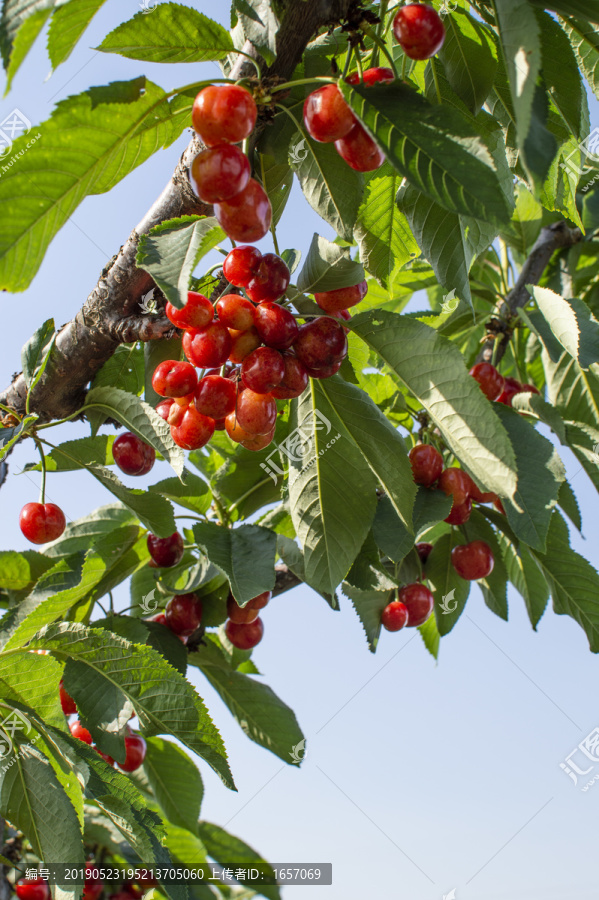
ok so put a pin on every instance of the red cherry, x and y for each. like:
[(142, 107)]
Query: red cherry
[(342, 298), (135, 753), (270, 279), (236, 312), (481, 496), (166, 552), (219, 173), (473, 561), (247, 216), (66, 701), (242, 343), (326, 114), (240, 264), (359, 150), (207, 347), (32, 889), (491, 381), (248, 613), (79, 732), (224, 113), (164, 407), (345, 315), (295, 379), (215, 396), (530, 389), (262, 370), (239, 434), (197, 312), (394, 616), (256, 413), (419, 602), (184, 613), (377, 75), (172, 378), (258, 441), (107, 759), (427, 464), (132, 455), (41, 522), (244, 637), (93, 887), (424, 551), (179, 408), (324, 371), (457, 483), (511, 387), (194, 430), (460, 513), (320, 343), (159, 617), (276, 326), (419, 31)]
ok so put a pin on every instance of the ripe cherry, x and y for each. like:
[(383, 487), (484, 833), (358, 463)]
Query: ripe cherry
[(240, 435), (79, 732), (172, 378), (262, 370), (242, 343), (377, 75), (197, 312), (164, 407), (66, 701), (473, 561), (419, 602), (184, 613), (256, 413), (179, 408), (240, 264), (394, 616), (236, 312), (491, 381), (135, 753), (165, 552), (224, 114), (424, 551), (42, 522), (295, 379), (194, 431), (132, 455), (276, 326), (107, 759), (457, 483), (460, 513), (258, 441), (320, 343), (427, 464), (326, 114), (32, 889), (419, 30), (93, 887), (342, 298), (324, 371), (481, 496), (270, 279), (244, 637), (359, 150), (219, 173), (511, 387), (215, 396), (207, 347), (247, 216), (160, 618), (248, 613)]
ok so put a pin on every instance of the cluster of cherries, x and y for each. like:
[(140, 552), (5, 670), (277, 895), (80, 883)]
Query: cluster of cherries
[(251, 355), (328, 118), (135, 745), (38, 889), (497, 387)]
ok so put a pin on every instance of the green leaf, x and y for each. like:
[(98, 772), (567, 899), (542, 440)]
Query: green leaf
[(588, 9), (540, 474), (332, 494), (572, 323), (190, 491), (261, 715), (469, 57), (277, 181), (224, 847), (20, 570), (370, 588), (534, 403), (450, 591), (28, 679), (430, 636), (433, 370), (390, 533), (569, 504), (561, 74), (384, 238), (527, 578), (125, 368), (293, 558), (10, 436), (21, 23), (67, 27), (81, 534), (431, 506), (175, 781), (519, 34), (140, 418), (494, 586), (246, 555), (332, 188), (328, 267), (437, 148), (574, 393), (172, 250), (114, 129), (584, 38), (175, 34), (103, 671), (260, 26), (35, 353), (86, 451)]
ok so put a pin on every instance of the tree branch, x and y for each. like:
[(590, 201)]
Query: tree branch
[(555, 237), (111, 313)]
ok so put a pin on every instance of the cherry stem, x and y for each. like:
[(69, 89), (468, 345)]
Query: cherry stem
[(251, 59), (348, 58), (374, 59), (11, 412), (38, 444), (359, 65), (379, 42), (291, 84)]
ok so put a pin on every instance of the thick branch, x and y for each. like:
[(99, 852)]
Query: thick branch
[(552, 238), (111, 314), (285, 580)]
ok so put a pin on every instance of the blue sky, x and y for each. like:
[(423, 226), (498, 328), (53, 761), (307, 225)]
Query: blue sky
[(420, 777)]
